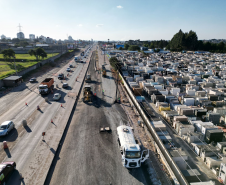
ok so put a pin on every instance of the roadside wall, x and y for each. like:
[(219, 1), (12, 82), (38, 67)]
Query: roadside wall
[(179, 176)]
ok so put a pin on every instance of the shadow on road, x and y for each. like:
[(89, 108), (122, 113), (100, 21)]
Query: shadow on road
[(27, 128), (15, 179), (12, 136), (8, 153)]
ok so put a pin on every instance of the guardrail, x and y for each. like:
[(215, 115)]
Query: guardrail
[(179, 176)]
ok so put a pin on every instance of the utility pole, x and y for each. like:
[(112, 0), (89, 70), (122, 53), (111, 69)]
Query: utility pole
[(116, 99), (104, 54), (15, 66)]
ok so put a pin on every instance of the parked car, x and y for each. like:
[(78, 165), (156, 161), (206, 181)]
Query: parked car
[(71, 66), (6, 127), (65, 85), (68, 69), (33, 80), (6, 168), (61, 76), (56, 96)]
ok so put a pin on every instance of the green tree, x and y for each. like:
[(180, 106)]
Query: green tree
[(15, 40), (114, 62), (221, 46), (191, 41), (134, 48), (23, 43), (38, 52), (32, 52), (8, 54), (126, 46), (177, 43), (152, 46)]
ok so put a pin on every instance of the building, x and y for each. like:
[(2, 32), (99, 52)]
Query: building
[(70, 38), (20, 35), (32, 37), (49, 40), (222, 173), (12, 81), (119, 46), (3, 37)]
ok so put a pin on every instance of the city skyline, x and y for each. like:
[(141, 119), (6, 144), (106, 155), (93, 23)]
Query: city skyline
[(118, 20)]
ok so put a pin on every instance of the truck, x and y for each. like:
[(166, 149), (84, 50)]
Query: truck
[(131, 152), (77, 58), (46, 86)]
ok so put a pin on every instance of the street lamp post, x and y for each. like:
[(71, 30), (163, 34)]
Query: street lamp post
[(15, 65)]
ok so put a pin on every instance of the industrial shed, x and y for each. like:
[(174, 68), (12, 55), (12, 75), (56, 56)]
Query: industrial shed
[(12, 81)]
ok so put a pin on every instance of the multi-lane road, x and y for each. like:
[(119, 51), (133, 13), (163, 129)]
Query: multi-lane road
[(87, 156), (32, 154), (73, 151)]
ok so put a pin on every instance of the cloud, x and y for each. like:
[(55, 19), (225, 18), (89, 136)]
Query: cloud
[(57, 25), (99, 25), (119, 7), (80, 25)]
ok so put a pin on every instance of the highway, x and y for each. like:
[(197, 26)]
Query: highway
[(87, 156), (31, 152)]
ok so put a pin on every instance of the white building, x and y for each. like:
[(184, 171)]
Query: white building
[(20, 35), (3, 37), (222, 173), (31, 36), (49, 40)]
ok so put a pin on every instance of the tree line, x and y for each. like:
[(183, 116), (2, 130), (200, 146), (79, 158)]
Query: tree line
[(38, 53), (189, 41)]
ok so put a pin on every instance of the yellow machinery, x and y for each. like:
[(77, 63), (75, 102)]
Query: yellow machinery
[(104, 72), (87, 93)]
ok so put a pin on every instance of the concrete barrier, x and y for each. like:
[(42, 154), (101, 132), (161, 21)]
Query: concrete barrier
[(180, 177)]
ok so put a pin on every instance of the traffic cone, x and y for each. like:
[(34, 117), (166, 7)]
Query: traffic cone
[(51, 120)]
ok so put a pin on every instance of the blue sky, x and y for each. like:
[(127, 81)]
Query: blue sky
[(114, 20)]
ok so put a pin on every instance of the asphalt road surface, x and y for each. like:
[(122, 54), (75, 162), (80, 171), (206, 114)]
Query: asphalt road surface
[(87, 156), (24, 141)]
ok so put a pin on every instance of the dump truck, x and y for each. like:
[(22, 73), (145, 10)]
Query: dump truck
[(103, 71), (46, 86), (87, 93), (88, 78)]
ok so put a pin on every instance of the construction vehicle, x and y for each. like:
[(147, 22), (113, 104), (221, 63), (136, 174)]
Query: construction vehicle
[(46, 86), (132, 154), (103, 71), (88, 78), (87, 93)]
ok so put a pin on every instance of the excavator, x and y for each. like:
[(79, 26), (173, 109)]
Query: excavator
[(87, 93)]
